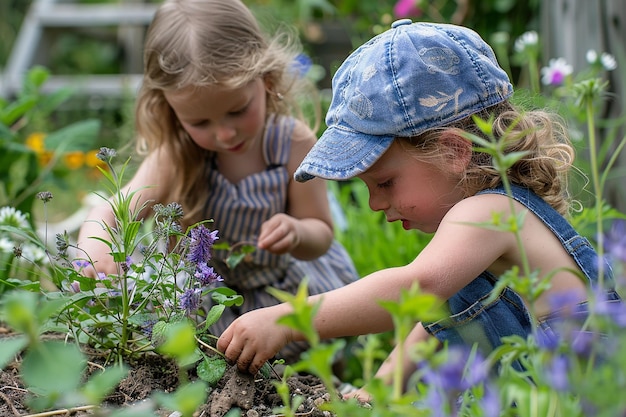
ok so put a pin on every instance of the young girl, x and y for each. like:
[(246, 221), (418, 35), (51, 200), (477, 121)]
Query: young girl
[(402, 104), (214, 120)]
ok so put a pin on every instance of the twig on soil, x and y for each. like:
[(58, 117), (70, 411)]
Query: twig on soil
[(95, 365), (211, 348), (10, 404), (66, 411)]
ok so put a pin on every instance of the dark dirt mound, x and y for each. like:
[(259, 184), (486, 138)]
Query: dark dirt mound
[(153, 373)]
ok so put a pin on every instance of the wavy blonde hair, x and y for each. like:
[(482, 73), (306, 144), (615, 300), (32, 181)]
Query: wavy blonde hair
[(204, 43), (542, 135)]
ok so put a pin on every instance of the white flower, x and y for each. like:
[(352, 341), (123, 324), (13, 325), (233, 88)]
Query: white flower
[(608, 61), (527, 39), (556, 72), (592, 56), (34, 254), (9, 216), (6, 245)]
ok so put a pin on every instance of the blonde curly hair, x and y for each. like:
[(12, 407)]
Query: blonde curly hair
[(205, 43), (549, 154)]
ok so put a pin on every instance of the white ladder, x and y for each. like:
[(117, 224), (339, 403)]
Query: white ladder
[(130, 16)]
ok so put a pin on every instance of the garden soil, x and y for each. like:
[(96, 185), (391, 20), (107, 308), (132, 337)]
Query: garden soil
[(153, 373)]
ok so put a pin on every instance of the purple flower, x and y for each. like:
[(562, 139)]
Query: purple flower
[(302, 64), (615, 241), (190, 300), (206, 275), (490, 403), (556, 71), (75, 286), (556, 374), (202, 240), (81, 263), (613, 309), (547, 340), (460, 372), (583, 342), (406, 8)]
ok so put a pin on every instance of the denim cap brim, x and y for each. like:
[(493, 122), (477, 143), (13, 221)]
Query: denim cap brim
[(401, 83)]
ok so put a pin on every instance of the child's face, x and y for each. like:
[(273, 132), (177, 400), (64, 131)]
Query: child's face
[(414, 192), (219, 119)]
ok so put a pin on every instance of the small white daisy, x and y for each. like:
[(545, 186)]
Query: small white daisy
[(527, 39), (608, 61), (9, 216)]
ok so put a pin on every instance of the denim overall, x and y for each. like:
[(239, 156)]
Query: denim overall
[(474, 321)]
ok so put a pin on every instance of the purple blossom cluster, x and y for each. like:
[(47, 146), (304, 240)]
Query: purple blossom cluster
[(463, 370), (201, 241), (200, 244), (615, 241)]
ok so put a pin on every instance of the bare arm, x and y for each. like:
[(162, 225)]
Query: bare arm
[(454, 257), (305, 230)]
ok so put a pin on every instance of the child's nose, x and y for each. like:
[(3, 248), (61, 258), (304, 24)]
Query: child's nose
[(224, 133), (377, 203)]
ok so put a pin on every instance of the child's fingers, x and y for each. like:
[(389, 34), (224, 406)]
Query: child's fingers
[(234, 349)]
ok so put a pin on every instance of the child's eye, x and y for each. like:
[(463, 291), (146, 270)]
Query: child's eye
[(201, 123), (239, 112), (385, 184)]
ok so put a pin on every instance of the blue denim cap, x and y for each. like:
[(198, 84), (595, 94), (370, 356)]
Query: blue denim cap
[(411, 78)]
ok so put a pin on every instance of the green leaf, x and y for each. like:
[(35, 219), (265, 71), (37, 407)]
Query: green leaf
[(233, 260), (214, 314), (20, 312), (11, 346), (17, 109), (212, 369), (36, 77), (180, 342), (226, 296), (186, 399), (158, 333), (53, 368), (79, 136), (50, 307)]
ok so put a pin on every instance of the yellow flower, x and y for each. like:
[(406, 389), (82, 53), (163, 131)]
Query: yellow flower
[(91, 160), (45, 157), (74, 160), (35, 141)]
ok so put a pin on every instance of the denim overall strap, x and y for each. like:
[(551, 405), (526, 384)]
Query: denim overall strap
[(477, 317), (577, 246)]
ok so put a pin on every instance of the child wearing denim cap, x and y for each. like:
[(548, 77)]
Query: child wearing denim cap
[(222, 134), (402, 105)]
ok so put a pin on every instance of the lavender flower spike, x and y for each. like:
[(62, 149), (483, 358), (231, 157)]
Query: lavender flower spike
[(202, 241)]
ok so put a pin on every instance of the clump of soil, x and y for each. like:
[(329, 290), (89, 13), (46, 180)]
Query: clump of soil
[(150, 373)]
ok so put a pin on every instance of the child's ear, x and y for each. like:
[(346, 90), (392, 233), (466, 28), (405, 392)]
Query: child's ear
[(457, 148)]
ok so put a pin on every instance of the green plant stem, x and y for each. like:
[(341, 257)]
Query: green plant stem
[(125, 315), (533, 75), (209, 347), (398, 373), (593, 160)]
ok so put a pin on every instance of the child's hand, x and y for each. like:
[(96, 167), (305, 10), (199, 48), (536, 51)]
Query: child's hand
[(279, 234), (360, 394), (254, 337)]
